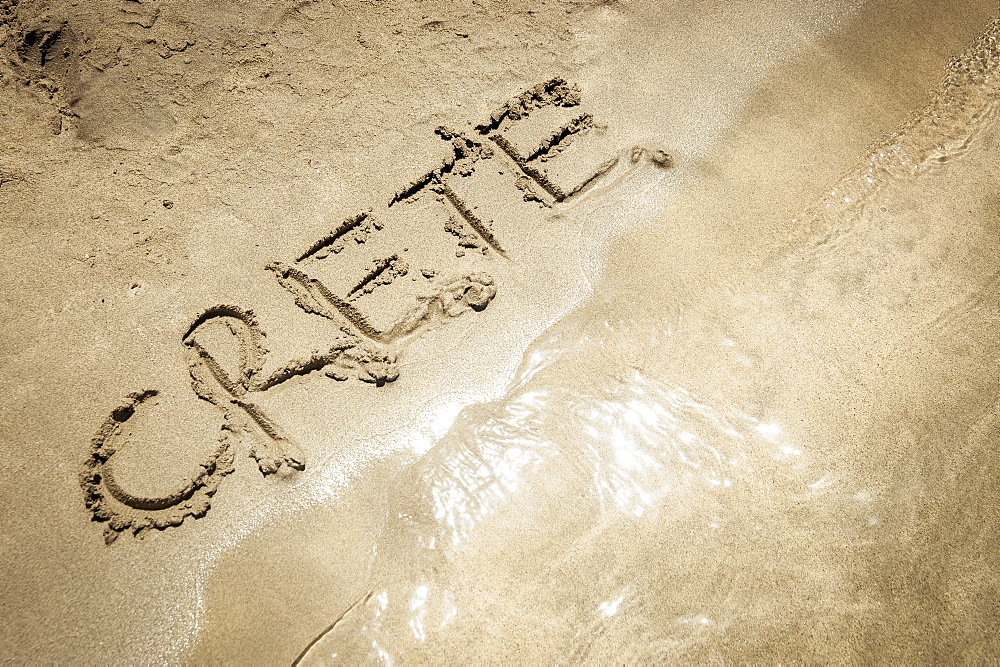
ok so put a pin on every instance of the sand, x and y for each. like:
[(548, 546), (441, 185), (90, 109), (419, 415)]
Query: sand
[(432, 332)]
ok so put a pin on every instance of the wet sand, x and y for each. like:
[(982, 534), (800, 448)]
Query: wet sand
[(755, 431)]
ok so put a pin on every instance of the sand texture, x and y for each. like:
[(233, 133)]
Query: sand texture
[(564, 331)]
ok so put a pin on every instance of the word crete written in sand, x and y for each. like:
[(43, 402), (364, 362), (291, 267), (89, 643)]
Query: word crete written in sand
[(376, 313)]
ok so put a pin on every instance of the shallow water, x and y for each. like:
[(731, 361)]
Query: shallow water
[(783, 449)]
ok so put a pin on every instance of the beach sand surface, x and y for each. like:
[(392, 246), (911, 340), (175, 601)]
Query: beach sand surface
[(558, 331)]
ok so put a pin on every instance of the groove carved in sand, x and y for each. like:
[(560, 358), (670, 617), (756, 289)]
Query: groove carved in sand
[(556, 92), (362, 350), (449, 299), (109, 501), (473, 291)]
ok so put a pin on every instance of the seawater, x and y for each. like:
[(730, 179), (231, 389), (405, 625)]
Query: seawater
[(785, 454)]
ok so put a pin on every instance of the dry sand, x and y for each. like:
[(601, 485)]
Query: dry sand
[(274, 276)]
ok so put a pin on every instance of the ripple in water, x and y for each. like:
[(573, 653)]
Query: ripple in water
[(798, 464)]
